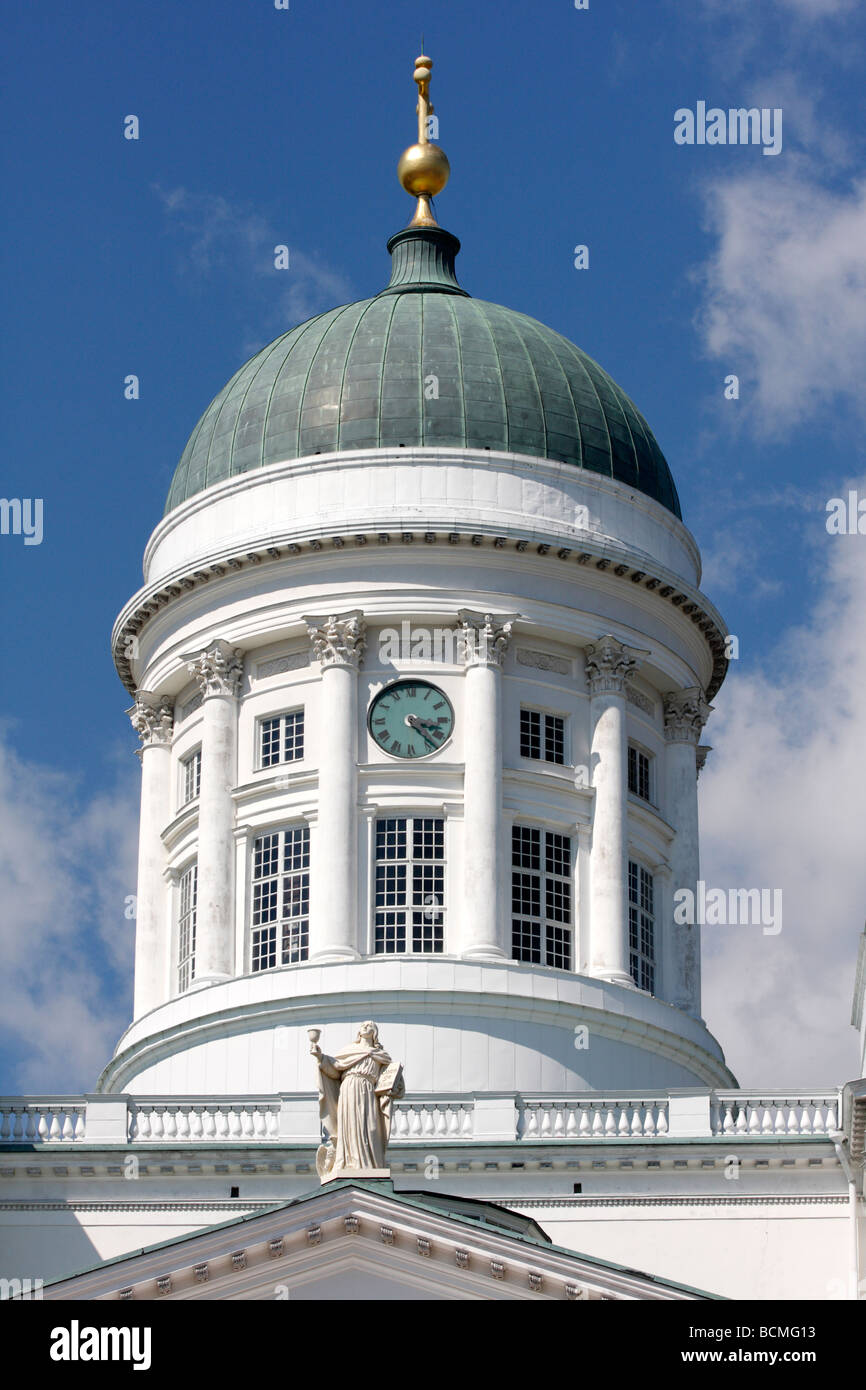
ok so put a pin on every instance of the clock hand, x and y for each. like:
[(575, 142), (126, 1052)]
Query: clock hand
[(418, 722), (415, 723)]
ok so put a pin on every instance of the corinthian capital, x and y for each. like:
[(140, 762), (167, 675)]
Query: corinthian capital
[(152, 718), (339, 640), (483, 638), (608, 664), (218, 669), (686, 713)]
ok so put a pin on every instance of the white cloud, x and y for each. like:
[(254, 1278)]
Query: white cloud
[(785, 295), (66, 864), (783, 805), (817, 9), (229, 237)]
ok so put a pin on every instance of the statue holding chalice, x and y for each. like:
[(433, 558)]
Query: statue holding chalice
[(356, 1090)]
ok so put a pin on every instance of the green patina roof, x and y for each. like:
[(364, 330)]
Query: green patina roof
[(354, 378)]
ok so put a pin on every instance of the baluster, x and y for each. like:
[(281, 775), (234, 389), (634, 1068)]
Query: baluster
[(649, 1124), (414, 1121), (157, 1124), (622, 1127), (42, 1128), (182, 1121), (571, 1127), (545, 1121), (637, 1119), (66, 1131), (779, 1125), (195, 1125), (558, 1122), (454, 1119), (468, 1122), (246, 1119), (531, 1121), (426, 1119), (260, 1121), (169, 1122)]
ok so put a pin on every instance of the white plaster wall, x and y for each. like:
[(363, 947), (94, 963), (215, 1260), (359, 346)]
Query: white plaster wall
[(456, 1027), (742, 1251), (431, 488)]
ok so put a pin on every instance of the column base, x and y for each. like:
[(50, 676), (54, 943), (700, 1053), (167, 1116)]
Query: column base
[(339, 955), (613, 977), (484, 953), (202, 982)]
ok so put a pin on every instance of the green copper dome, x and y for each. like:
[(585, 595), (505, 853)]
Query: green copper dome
[(423, 364)]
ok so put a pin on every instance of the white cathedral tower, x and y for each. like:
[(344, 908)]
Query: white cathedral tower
[(420, 669)]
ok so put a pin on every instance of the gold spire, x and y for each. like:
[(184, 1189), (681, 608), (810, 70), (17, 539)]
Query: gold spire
[(423, 169)]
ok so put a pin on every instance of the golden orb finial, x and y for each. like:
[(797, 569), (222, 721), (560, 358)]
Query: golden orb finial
[(423, 169)]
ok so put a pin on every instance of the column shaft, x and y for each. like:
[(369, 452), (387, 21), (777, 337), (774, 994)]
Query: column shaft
[(339, 646), (218, 670), (685, 714), (152, 720), (484, 909), (214, 952), (483, 643), (609, 858), (608, 662)]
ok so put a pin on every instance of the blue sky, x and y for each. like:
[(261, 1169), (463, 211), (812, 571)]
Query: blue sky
[(155, 257)]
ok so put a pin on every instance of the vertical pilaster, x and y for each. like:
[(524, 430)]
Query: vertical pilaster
[(152, 718), (218, 670), (338, 643), (686, 712), (483, 641), (608, 663)]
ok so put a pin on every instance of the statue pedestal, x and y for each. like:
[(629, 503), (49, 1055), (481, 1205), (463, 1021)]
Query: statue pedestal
[(356, 1173)]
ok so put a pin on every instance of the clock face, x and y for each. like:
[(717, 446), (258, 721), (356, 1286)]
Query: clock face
[(410, 719)]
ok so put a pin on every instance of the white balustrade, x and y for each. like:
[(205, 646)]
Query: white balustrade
[(595, 1118), (431, 1120), (51, 1120), (193, 1121), (751, 1112), (58, 1120)]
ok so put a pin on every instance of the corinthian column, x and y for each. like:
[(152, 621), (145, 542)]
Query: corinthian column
[(338, 644), (483, 641), (153, 719), (686, 712), (608, 663), (218, 670)]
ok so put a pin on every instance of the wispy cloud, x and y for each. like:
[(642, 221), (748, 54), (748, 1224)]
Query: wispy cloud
[(218, 235), (67, 864), (784, 295), (783, 805)]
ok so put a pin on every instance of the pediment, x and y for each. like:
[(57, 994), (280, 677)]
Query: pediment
[(357, 1241)]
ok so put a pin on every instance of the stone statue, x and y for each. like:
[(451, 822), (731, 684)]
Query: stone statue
[(356, 1088)]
